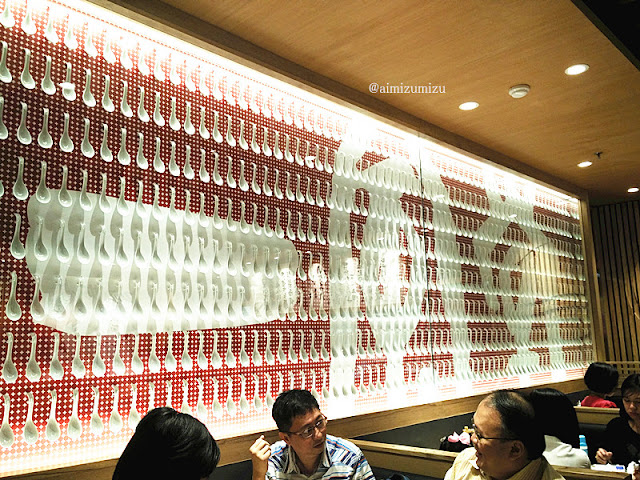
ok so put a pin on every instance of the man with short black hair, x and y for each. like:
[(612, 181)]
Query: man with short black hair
[(508, 443), (305, 450)]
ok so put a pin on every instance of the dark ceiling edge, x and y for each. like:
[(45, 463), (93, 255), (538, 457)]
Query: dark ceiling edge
[(157, 14), (607, 32)]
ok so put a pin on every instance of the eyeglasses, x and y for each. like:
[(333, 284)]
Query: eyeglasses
[(308, 432), (481, 437)]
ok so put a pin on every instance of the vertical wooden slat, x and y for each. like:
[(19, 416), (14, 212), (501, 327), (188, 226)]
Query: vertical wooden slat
[(626, 257), (605, 318), (608, 273), (616, 231), (619, 258), (634, 284), (614, 298), (590, 273)]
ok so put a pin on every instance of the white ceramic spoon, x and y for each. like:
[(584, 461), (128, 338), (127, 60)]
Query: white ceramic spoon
[(33, 372), (216, 361), (293, 356), (268, 399), (118, 365), (313, 353), (134, 416), (154, 361), (230, 358), (74, 429), (9, 371), (52, 432), (6, 432), (170, 363), (152, 396), (268, 355), (257, 358), (244, 404), (244, 357), (257, 402), (96, 426), (5, 74), (77, 367), (314, 392), (323, 351), (203, 361), (115, 420), (17, 248), (231, 406), (12, 309), (282, 358), (185, 408), (136, 363), (97, 367), (56, 371), (66, 143), (186, 360), (30, 432), (304, 357), (24, 136), (216, 406), (201, 410), (87, 97), (325, 385)]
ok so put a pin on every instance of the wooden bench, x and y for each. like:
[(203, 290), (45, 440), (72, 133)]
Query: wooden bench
[(435, 463), (597, 416)]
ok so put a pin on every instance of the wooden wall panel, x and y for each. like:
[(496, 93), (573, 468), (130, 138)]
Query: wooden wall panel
[(616, 231)]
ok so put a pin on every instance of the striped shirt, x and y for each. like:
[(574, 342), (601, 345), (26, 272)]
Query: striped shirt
[(341, 460), (464, 468)]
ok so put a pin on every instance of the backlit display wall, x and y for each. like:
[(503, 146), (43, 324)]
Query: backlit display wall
[(181, 230)]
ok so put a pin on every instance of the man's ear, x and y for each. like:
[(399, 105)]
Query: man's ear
[(285, 437), (518, 450)]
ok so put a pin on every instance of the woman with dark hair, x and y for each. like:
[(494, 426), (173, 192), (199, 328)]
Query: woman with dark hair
[(559, 423), (601, 379), (168, 445), (622, 437)]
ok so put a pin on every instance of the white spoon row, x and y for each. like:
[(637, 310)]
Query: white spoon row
[(307, 350), (269, 103)]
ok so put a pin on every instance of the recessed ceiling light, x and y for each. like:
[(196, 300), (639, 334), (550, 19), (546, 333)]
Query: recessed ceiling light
[(577, 69), (468, 105), (633, 190), (585, 164), (519, 91)]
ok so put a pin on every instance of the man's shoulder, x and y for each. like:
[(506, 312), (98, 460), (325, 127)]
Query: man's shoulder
[(337, 443), (279, 453), (550, 473), (465, 456), (344, 452)]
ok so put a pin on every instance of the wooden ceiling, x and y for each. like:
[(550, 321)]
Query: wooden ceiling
[(475, 49)]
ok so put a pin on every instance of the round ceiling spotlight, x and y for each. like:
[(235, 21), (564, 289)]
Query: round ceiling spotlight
[(577, 69), (468, 105), (633, 190), (585, 164), (519, 91)]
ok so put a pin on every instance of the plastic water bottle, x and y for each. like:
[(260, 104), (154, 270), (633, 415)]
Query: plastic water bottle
[(583, 444)]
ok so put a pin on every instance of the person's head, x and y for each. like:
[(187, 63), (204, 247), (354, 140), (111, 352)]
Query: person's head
[(555, 415), (506, 436), (300, 422), (601, 378), (630, 390), (168, 445)]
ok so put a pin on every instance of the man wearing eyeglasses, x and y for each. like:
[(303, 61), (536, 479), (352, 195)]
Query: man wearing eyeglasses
[(305, 450), (507, 443)]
